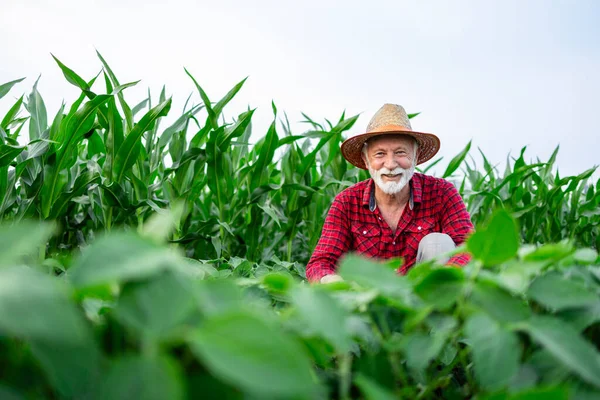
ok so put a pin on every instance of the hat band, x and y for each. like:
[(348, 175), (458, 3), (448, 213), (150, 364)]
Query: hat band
[(391, 128)]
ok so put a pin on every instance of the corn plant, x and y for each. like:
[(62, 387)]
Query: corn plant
[(168, 262), (103, 163)]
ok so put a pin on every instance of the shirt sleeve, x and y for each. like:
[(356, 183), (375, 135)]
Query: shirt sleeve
[(334, 241), (456, 223)]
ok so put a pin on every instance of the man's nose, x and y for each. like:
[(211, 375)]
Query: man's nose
[(390, 163)]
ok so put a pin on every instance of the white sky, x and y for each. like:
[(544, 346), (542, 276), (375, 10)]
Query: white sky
[(506, 73)]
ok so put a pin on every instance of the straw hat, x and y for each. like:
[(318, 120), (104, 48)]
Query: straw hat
[(390, 119)]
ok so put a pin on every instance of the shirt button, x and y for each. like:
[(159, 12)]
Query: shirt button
[(419, 228), (394, 243), (364, 232)]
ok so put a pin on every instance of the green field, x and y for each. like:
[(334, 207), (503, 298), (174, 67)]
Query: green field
[(165, 262)]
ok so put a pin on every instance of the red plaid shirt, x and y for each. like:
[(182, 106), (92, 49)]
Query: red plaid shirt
[(354, 223)]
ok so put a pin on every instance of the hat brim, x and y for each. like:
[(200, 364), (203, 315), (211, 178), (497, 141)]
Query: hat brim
[(429, 145)]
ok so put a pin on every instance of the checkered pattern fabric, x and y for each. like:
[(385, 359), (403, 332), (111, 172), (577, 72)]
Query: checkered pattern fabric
[(352, 226)]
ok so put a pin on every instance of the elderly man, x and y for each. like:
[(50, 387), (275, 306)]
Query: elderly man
[(396, 213)]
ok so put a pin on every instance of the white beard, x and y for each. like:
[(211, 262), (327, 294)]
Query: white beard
[(391, 187)]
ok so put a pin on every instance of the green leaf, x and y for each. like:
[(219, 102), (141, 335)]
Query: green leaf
[(275, 282), (77, 125), (420, 348), (6, 393), (7, 198), (547, 368), (216, 297), (118, 258), (566, 345), (376, 275), (212, 116), (431, 165), (37, 148), (371, 390), (217, 244), (5, 87), (242, 349), (156, 307), (161, 224), (323, 315), (73, 369), (122, 87), (448, 354), (270, 211), (197, 270), (456, 161), (129, 151), (586, 256), (115, 196), (138, 107), (581, 318), (548, 393), (38, 121), (235, 130), (441, 287), (584, 392), (554, 291), (145, 378), (37, 307), (201, 385), (113, 137), (550, 252), (177, 126), (266, 151), (54, 132), (345, 124), (496, 351), (124, 105), (218, 108), (496, 243), (526, 378), (71, 76), (517, 274), (81, 185), (22, 239), (8, 153), (11, 114), (499, 304)]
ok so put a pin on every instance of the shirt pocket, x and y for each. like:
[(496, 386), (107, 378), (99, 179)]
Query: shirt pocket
[(417, 229), (366, 239)]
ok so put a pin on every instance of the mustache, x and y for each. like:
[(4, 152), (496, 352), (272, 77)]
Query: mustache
[(394, 171)]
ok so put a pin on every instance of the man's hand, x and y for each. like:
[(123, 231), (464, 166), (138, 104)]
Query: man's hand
[(331, 278)]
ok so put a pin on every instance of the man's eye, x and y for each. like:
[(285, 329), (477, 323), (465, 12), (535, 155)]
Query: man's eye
[(400, 152)]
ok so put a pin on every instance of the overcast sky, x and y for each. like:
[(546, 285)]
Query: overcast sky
[(505, 74)]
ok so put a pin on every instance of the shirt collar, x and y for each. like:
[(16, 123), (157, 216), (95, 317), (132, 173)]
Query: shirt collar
[(369, 194), (415, 193), (416, 185)]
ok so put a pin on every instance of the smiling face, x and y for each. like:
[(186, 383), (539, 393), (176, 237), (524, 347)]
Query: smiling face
[(391, 161)]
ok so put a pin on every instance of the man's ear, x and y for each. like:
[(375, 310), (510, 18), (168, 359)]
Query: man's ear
[(417, 150), (364, 158)]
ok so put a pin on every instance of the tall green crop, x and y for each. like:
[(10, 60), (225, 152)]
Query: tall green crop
[(102, 163), (168, 261)]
